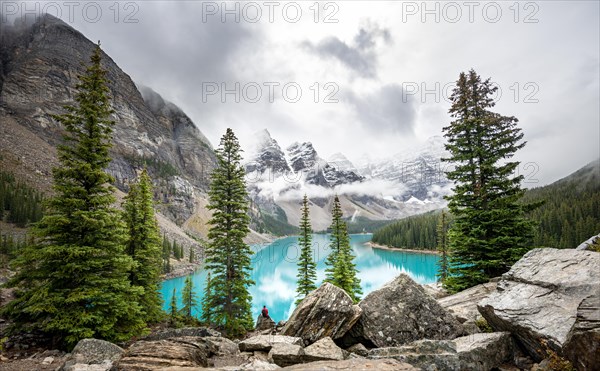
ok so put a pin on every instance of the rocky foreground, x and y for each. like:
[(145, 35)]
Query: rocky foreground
[(539, 315)]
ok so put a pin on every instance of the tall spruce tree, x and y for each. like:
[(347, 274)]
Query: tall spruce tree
[(227, 256), (307, 268), (189, 299), (173, 311), (490, 231), (341, 270), (74, 282), (207, 311), (442, 246), (143, 245)]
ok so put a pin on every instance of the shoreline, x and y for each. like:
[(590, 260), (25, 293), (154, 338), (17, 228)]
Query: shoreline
[(384, 247)]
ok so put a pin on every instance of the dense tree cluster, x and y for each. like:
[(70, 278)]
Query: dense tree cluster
[(19, 203), (84, 275), (415, 232)]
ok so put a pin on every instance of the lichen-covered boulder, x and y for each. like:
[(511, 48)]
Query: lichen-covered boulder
[(326, 312), (398, 313)]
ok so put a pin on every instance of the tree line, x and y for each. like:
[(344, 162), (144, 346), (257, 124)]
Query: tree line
[(19, 203)]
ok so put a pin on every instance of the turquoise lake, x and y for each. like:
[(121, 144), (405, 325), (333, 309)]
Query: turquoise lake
[(274, 271)]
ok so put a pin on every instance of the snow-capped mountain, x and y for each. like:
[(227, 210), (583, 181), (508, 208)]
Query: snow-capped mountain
[(301, 162), (419, 168), (278, 179), (266, 155)]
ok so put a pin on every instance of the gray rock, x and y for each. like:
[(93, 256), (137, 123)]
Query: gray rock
[(359, 349), (326, 312), (550, 295), (180, 332), (220, 346), (586, 244), (48, 360), (398, 313), (484, 351), (323, 350), (92, 352), (436, 290), (286, 354), (474, 352), (355, 364), (258, 365), (161, 354), (463, 305), (470, 327), (263, 323), (265, 342)]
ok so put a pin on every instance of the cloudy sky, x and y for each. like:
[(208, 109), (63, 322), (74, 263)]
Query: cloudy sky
[(361, 76)]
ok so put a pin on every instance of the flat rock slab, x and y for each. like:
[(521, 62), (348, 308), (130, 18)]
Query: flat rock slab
[(161, 354), (479, 352), (266, 342), (326, 312), (356, 364), (549, 296)]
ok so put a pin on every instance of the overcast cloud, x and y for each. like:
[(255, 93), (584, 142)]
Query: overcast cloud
[(371, 74)]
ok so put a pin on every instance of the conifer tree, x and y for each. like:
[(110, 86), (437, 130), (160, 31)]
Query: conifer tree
[(207, 310), (490, 232), (143, 245), (166, 249), (227, 256), (341, 270), (189, 299), (307, 268), (192, 257), (442, 246), (74, 282), (173, 311)]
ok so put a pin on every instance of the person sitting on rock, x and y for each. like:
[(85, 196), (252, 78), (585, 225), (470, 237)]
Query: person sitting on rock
[(265, 312)]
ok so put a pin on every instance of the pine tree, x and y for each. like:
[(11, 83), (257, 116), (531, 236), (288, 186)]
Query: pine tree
[(173, 311), (490, 231), (307, 268), (341, 270), (227, 256), (192, 257), (143, 245), (74, 282), (166, 254), (207, 309), (189, 299), (442, 246)]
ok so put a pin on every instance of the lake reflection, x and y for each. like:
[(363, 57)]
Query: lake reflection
[(275, 269)]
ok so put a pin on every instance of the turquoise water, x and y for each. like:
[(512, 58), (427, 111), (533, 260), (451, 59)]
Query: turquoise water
[(274, 271)]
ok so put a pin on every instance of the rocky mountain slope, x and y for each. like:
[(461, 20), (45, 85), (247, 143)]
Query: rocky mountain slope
[(39, 65)]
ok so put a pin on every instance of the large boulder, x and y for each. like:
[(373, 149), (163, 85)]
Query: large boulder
[(264, 343), (551, 296), (162, 354), (398, 313), (463, 305), (326, 312), (99, 354), (323, 350), (479, 352), (264, 323), (355, 364), (286, 354)]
